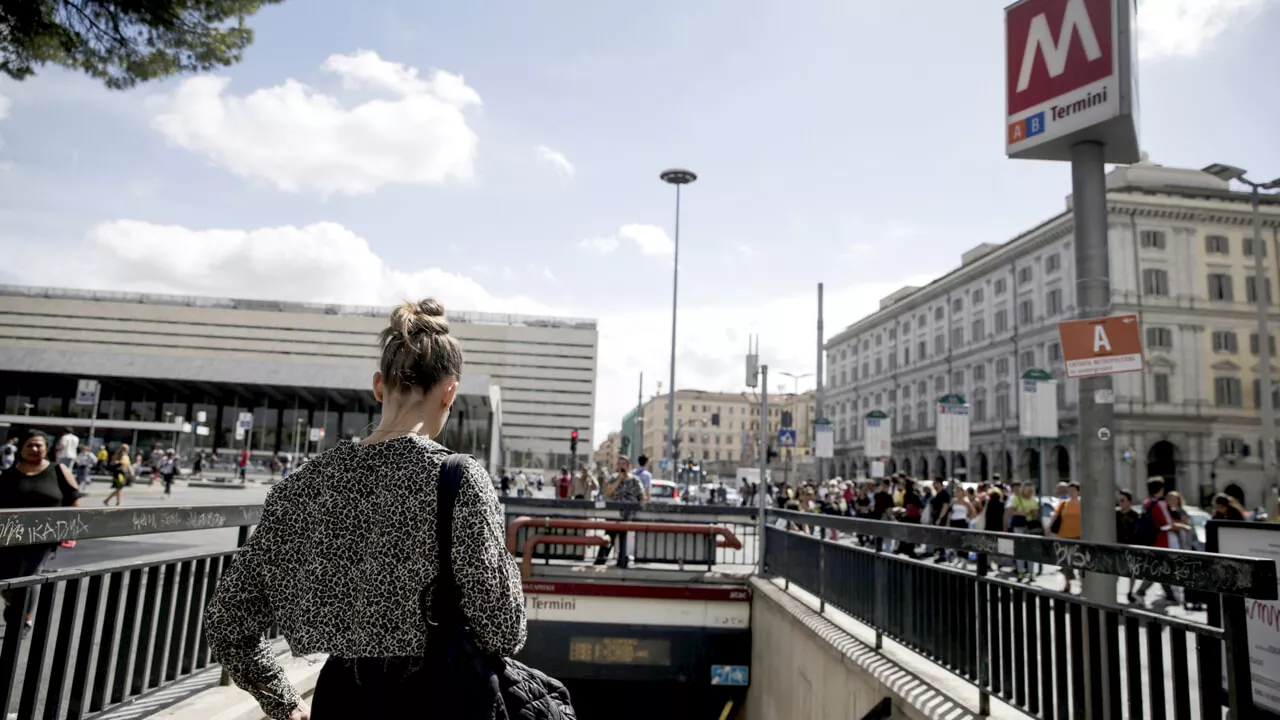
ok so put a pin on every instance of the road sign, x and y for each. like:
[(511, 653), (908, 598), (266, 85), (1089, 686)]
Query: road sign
[(86, 391), (737, 675), (879, 434), (786, 438), (316, 434), (239, 433), (1038, 405), (244, 421), (1069, 78), (664, 464), (953, 424), (823, 440), (1101, 346)]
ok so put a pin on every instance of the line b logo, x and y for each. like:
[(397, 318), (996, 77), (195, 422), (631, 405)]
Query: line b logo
[(1029, 126)]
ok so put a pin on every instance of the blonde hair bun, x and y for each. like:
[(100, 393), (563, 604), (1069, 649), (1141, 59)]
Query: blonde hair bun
[(417, 349)]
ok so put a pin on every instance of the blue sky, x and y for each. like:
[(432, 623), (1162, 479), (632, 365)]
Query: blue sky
[(856, 144)]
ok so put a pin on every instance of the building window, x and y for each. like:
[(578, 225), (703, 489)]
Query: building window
[(1220, 287), (1024, 275), (893, 334), (906, 422), (1026, 360), (1226, 392), (1053, 301), (957, 337), (1217, 245), (939, 314), (922, 387), (906, 391), (879, 400), (1002, 406), (1061, 390), (1160, 384), (906, 356), (1257, 395), (1251, 289), (922, 417), (842, 378), (979, 330), (1159, 338), (879, 366), (1052, 264), (975, 298), (999, 286), (980, 409), (939, 344), (1002, 321), (866, 370), (940, 384), (1155, 282), (922, 350), (979, 373), (957, 381), (1253, 344), (1230, 445), (1055, 352), (1152, 239), (1224, 341), (1026, 312), (957, 305), (1248, 248), (906, 327), (878, 339), (1002, 367)]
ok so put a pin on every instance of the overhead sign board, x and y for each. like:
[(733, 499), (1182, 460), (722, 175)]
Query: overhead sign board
[(1038, 405), (1101, 346), (953, 424), (1070, 77), (786, 438), (823, 441), (879, 434)]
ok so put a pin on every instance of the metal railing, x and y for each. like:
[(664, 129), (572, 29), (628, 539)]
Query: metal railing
[(1047, 653), (685, 550), (103, 637)]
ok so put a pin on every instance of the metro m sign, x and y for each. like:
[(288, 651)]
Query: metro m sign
[(1069, 78)]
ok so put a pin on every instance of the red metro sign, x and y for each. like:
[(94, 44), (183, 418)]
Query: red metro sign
[(1068, 78)]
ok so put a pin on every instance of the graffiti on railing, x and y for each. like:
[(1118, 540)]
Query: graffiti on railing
[(162, 521), (23, 531)]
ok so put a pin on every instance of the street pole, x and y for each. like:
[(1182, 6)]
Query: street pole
[(1266, 404), (819, 396), (762, 488), (1093, 297), (93, 417), (636, 435), (677, 178)]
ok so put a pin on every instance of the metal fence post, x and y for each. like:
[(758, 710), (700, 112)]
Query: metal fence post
[(822, 572), (877, 605), (984, 640), (1239, 670)]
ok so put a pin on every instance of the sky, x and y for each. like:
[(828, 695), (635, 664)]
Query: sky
[(504, 156)]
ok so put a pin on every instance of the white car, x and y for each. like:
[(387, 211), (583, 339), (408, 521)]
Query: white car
[(664, 491)]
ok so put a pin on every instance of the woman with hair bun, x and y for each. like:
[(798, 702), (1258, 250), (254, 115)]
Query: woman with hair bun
[(347, 547)]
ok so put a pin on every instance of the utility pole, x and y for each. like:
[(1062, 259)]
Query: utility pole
[(762, 488), (677, 177), (636, 434), (819, 409)]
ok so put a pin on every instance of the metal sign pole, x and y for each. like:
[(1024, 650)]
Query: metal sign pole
[(93, 417), (762, 487)]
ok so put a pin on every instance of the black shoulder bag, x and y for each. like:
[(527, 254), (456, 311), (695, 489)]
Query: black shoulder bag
[(480, 686)]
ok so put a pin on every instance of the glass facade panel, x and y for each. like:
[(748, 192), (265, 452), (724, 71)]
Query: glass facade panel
[(49, 407), (355, 424), (265, 433), (329, 421), (142, 411), (111, 409), (293, 430), (16, 404), (210, 414), (170, 412)]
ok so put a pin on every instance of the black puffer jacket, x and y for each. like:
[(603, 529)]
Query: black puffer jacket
[(530, 694)]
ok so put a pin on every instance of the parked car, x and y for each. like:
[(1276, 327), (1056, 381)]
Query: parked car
[(664, 491)]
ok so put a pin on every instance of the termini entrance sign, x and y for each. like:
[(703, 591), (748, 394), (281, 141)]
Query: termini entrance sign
[(1101, 346), (1069, 78)]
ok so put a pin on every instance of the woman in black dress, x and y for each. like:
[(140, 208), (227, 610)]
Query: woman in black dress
[(32, 482)]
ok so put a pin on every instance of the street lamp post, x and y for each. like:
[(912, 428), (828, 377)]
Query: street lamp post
[(1262, 301), (675, 177)]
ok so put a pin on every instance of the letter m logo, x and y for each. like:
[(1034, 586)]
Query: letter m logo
[(1054, 47)]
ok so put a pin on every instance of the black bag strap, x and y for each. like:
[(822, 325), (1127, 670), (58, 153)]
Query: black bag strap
[(446, 601)]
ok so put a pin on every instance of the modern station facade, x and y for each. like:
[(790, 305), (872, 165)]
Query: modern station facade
[(180, 371)]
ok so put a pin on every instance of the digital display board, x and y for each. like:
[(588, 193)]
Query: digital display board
[(619, 651)]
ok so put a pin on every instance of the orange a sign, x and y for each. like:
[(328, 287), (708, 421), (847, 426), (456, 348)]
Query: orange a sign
[(1101, 346)]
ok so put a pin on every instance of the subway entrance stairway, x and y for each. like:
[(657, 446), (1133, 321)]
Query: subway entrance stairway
[(699, 612)]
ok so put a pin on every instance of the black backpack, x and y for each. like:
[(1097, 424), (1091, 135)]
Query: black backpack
[(1145, 530)]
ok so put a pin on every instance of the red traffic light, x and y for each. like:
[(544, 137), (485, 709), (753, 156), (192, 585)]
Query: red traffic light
[(573, 435)]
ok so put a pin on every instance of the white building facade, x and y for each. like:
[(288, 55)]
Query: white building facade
[(1181, 259)]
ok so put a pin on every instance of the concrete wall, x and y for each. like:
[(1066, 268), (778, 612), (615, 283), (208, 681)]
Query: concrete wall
[(804, 667)]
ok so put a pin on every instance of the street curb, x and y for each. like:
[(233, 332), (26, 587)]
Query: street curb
[(232, 703), (224, 486)]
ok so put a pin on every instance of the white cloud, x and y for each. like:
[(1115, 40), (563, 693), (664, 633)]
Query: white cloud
[(651, 239), (300, 139), (322, 262), (550, 276), (746, 251), (600, 245), (1184, 28), (555, 159)]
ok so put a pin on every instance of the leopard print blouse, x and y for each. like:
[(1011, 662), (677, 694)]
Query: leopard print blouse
[(345, 546)]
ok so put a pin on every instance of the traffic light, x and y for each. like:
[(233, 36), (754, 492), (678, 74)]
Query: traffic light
[(786, 418), (573, 443), (769, 453)]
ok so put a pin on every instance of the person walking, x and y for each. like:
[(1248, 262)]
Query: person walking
[(67, 448), (168, 469), (1066, 525), (121, 470), (32, 482), (348, 551)]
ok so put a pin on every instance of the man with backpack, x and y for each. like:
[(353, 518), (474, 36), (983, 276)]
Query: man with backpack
[(1155, 529)]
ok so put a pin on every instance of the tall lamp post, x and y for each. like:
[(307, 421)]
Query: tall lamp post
[(1262, 301), (675, 177)]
